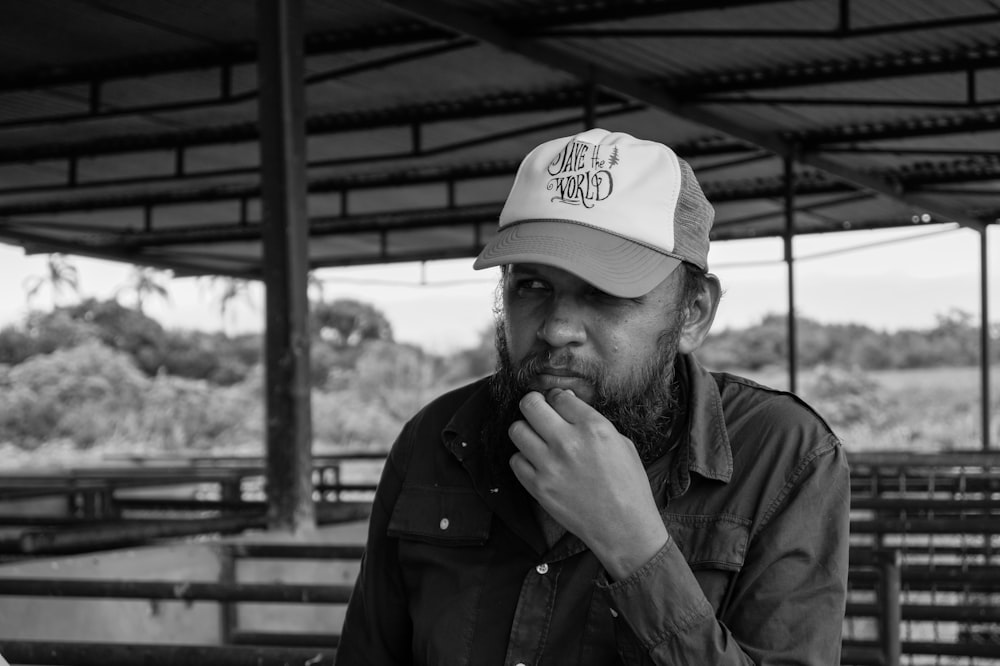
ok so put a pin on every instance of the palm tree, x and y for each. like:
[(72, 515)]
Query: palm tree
[(316, 287), (231, 290), (144, 282), (60, 276)]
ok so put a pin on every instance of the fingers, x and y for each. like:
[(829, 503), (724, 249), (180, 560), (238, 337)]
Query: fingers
[(523, 470), (549, 415), (532, 447)]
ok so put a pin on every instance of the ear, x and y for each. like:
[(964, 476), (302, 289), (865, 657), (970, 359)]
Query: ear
[(700, 314)]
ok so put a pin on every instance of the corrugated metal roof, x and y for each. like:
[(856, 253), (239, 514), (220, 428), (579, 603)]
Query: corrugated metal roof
[(129, 128)]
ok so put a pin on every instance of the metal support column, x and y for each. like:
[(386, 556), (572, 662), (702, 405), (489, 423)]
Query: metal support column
[(286, 265), (590, 105), (793, 354), (984, 335)]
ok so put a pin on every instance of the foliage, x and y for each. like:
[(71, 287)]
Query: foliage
[(846, 397), (43, 333), (213, 357), (92, 393), (366, 404), (145, 282), (101, 373), (80, 393), (477, 361), (347, 323), (60, 276), (183, 414), (953, 341), (124, 329)]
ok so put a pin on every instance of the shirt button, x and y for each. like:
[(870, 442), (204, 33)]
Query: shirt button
[(443, 524), (614, 613), (542, 568)]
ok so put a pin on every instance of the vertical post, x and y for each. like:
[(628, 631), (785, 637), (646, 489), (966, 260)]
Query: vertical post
[(984, 336), (890, 590), (285, 235), (227, 609), (590, 103), (793, 361)]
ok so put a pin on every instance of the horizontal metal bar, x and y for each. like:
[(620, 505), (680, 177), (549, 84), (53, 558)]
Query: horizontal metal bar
[(930, 613), (338, 487), (117, 654), (285, 593), (926, 526), (925, 577), (309, 551), (862, 653), (990, 650), (925, 504), (274, 638), (118, 535)]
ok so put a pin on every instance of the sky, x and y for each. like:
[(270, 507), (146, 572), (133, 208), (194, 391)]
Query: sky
[(888, 280)]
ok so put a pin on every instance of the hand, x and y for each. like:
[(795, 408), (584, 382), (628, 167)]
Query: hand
[(589, 478)]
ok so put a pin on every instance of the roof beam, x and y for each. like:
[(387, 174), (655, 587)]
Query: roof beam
[(839, 33), (338, 41), (451, 18), (498, 103)]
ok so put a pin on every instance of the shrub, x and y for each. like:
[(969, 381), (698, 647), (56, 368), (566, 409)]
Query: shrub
[(846, 397), (81, 393), (179, 413)]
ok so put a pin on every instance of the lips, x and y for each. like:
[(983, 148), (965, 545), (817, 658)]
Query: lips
[(550, 378)]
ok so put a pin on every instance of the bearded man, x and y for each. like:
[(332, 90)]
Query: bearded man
[(601, 498)]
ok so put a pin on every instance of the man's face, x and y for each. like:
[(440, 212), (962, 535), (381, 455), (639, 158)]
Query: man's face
[(616, 354)]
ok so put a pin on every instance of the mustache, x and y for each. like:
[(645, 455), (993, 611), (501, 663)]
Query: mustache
[(563, 360)]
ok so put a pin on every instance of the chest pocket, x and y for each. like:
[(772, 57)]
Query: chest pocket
[(710, 542), (440, 516), (715, 548)]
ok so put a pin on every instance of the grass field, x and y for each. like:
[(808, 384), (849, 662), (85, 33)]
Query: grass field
[(928, 409)]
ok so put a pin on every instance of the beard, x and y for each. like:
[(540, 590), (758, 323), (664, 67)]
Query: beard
[(641, 404)]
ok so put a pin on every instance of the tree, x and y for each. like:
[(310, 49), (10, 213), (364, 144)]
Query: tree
[(146, 281), (230, 291), (60, 276), (474, 362), (124, 329), (346, 322)]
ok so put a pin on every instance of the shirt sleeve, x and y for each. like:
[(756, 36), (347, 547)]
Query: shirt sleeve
[(784, 602), (377, 628)]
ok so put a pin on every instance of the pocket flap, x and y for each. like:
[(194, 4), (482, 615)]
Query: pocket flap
[(716, 542), (455, 516)]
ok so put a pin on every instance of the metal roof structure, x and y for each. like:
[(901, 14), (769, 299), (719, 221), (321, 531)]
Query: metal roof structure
[(128, 128), (263, 139)]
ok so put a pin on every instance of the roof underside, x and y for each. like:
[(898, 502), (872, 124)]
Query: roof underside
[(128, 128)]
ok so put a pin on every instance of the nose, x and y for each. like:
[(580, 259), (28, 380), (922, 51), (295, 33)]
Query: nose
[(563, 324)]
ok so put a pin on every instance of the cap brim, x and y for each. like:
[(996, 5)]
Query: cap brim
[(613, 264)]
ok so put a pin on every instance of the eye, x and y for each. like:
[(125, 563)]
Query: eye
[(530, 286)]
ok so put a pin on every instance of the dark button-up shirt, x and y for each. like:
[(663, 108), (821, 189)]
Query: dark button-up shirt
[(457, 569)]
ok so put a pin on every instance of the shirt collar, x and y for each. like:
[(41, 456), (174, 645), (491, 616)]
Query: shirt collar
[(709, 451)]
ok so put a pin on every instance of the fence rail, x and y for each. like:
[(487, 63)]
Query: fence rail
[(924, 575)]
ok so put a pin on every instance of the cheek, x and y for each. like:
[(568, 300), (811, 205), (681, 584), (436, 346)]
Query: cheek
[(632, 346), (519, 333)]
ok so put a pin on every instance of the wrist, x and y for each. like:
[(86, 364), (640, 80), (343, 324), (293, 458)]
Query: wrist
[(627, 556)]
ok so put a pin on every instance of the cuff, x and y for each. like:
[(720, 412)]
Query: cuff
[(660, 599)]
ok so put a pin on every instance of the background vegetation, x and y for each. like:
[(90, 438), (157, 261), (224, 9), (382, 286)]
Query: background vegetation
[(102, 376)]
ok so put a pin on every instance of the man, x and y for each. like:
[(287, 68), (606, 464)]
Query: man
[(602, 499)]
